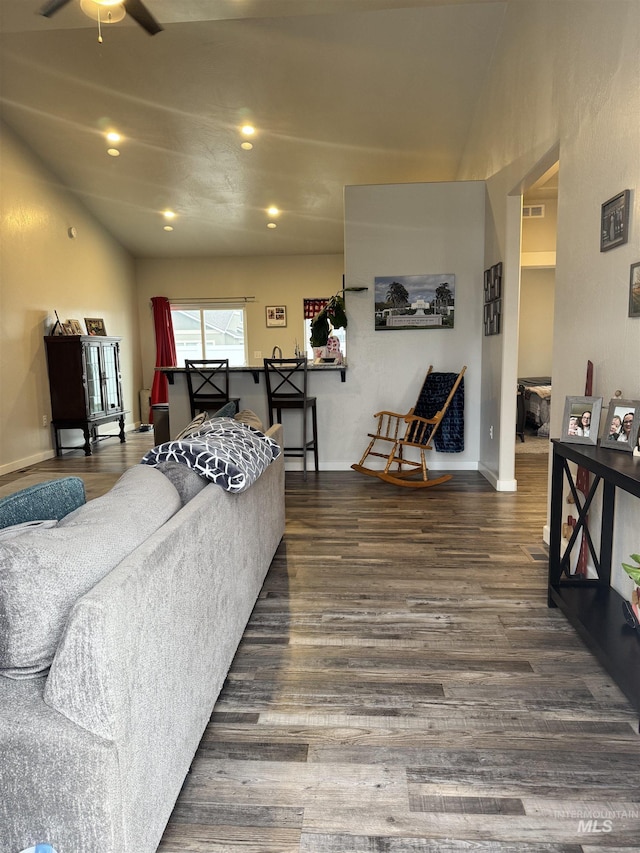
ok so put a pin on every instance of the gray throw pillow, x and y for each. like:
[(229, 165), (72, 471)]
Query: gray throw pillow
[(227, 411), (187, 482)]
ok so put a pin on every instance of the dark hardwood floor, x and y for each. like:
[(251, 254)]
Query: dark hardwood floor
[(402, 686)]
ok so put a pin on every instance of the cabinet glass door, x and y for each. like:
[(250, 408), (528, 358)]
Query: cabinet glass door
[(94, 382), (111, 383)]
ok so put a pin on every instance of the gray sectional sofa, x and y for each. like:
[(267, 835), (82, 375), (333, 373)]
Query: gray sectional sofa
[(94, 750)]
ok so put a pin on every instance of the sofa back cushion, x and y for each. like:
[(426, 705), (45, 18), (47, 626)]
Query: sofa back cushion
[(43, 572)]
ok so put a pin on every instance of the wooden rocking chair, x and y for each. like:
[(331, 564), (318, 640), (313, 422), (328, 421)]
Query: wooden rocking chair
[(417, 429)]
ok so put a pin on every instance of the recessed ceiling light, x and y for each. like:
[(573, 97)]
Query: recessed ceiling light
[(169, 214), (167, 227), (246, 145), (271, 225), (247, 130), (273, 211), (113, 152), (113, 136)]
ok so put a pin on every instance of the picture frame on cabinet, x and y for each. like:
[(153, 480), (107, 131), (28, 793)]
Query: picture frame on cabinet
[(95, 326), (634, 290), (76, 328), (622, 425), (614, 221), (581, 420)]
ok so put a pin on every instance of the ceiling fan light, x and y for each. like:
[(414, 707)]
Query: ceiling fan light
[(107, 11)]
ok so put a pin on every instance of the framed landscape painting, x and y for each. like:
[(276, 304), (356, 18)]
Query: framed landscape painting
[(405, 302)]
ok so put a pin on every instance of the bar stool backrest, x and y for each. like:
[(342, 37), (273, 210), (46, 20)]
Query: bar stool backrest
[(208, 383), (286, 379)]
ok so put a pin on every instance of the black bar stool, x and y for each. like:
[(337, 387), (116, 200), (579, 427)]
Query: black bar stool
[(286, 381), (208, 384)]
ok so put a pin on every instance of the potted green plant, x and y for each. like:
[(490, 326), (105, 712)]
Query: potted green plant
[(631, 608), (333, 314)]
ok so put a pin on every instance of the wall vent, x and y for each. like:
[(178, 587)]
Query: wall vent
[(533, 211)]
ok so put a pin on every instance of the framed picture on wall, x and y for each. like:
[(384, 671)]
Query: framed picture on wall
[(492, 313), (614, 221), (581, 421), (634, 290), (622, 425), (487, 285), (276, 315)]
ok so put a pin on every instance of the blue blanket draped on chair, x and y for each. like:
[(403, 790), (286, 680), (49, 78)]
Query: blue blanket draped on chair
[(433, 396)]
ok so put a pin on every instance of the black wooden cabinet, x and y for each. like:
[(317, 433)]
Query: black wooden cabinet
[(85, 385)]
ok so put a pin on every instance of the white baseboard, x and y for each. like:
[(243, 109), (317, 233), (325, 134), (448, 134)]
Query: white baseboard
[(498, 485), (294, 464), (17, 464)]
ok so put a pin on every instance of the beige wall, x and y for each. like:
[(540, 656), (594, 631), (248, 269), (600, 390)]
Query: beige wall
[(42, 270), (412, 229), (535, 338), (539, 235), (271, 280), (567, 75), (537, 293)]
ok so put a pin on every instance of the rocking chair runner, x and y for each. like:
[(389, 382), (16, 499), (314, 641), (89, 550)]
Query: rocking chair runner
[(417, 429)]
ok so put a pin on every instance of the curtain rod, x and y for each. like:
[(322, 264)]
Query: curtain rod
[(208, 300)]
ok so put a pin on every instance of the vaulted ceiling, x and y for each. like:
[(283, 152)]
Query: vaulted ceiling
[(340, 92)]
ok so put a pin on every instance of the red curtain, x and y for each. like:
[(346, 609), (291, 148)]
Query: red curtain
[(165, 349), (312, 306)]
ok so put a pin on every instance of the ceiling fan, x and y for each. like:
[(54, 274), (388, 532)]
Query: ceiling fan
[(135, 8)]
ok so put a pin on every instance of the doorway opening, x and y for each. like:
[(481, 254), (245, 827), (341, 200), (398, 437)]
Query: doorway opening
[(535, 321)]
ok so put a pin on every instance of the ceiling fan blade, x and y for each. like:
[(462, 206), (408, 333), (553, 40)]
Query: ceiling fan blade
[(52, 6), (141, 14)]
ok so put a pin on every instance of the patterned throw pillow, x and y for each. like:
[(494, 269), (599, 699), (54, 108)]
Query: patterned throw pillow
[(195, 424), (246, 416), (229, 453)]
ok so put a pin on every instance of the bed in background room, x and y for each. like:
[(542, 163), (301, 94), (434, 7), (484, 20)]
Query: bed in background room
[(536, 392)]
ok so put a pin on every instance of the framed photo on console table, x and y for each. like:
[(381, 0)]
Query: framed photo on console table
[(622, 425), (581, 420)]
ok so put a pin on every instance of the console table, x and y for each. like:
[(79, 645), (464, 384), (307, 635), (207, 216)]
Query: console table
[(591, 605)]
